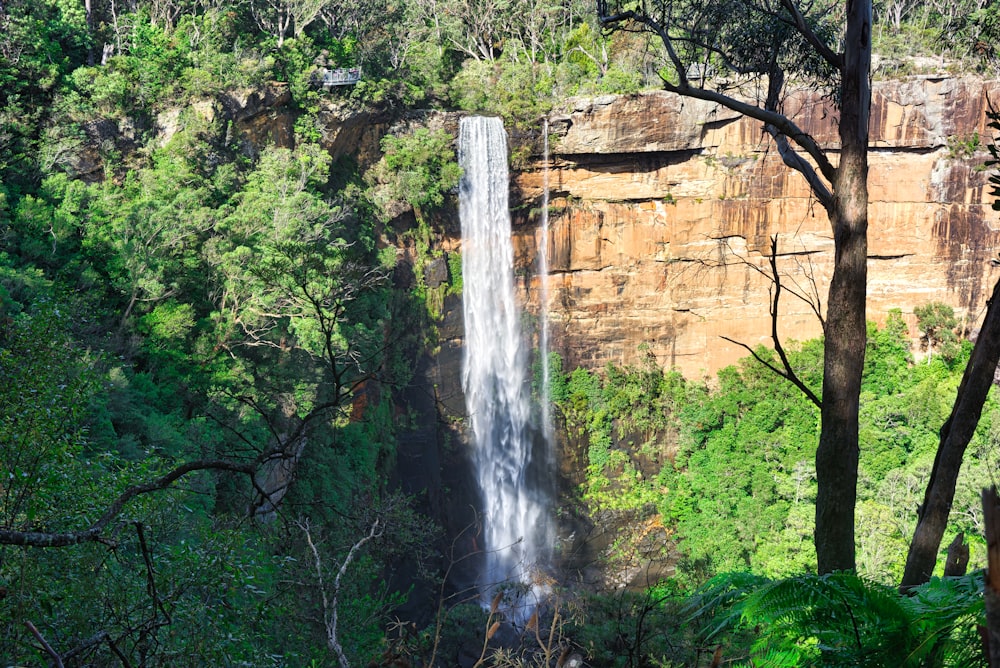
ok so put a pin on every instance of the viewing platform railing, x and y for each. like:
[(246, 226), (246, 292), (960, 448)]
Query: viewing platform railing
[(342, 76)]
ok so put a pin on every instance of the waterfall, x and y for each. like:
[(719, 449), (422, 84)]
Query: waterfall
[(517, 534), (543, 298)]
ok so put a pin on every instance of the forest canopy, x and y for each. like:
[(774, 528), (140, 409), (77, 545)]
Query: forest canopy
[(203, 341)]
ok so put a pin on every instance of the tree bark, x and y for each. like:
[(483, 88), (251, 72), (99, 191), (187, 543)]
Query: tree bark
[(57, 661), (991, 587), (957, 431), (330, 604), (94, 532), (275, 479), (846, 329), (89, 13), (957, 562)]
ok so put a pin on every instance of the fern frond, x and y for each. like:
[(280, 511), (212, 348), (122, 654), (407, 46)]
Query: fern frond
[(947, 597), (840, 619), (847, 620), (717, 606), (945, 613), (779, 658)]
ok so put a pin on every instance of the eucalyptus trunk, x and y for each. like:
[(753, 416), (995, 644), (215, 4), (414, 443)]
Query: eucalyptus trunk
[(844, 342), (844, 354), (957, 431)]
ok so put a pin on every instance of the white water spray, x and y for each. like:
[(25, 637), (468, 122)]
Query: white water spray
[(516, 528)]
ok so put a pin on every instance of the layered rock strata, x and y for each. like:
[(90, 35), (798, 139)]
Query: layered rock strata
[(663, 210)]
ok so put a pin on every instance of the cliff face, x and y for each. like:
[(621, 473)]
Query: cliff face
[(662, 210), (662, 214)]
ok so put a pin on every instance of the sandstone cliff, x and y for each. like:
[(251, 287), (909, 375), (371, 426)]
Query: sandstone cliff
[(662, 211)]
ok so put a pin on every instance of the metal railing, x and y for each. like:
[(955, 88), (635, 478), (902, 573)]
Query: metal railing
[(342, 76)]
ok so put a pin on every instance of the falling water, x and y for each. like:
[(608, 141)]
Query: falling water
[(516, 527), (543, 297)]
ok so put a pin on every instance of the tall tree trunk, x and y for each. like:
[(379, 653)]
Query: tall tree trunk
[(991, 587), (844, 354), (89, 12), (957, 431), (844, 342)]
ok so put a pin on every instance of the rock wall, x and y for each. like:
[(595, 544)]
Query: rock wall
[(662, 210)]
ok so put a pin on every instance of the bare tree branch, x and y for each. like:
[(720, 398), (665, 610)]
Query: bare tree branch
[(57, 661), (147, 558), (792, 159), (777, 122), (439, 617), (812, 301), (790, 372), (785, 371), (781, 123), (330, 618), (89, 643), (94, 533)]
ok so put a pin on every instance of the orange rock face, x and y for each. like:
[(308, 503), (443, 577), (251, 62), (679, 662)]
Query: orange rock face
[(662, 210)]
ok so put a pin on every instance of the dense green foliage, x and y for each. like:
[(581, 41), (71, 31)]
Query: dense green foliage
[(729, 464), (416, 169), (194, 299), (840, 619), (937, 323), (66, 77), (172, 292), (196, 311)]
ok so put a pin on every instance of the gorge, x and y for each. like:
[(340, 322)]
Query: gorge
[(660, 219), (662, 212), (452, 362)]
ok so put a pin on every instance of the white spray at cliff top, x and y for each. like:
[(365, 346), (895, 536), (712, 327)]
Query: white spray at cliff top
[(517, 531)]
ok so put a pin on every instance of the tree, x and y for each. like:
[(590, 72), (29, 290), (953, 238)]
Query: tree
[(45, 386), (937, 321), (477, 28), (761, 43), (257, 303), (143, 233), (417, 168), (387, 527), (297, 313), (278, 17), (40, 42)]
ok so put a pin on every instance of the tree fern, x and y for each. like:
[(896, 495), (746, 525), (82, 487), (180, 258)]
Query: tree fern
[(840, 619), (948, 611), (717, 606)]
